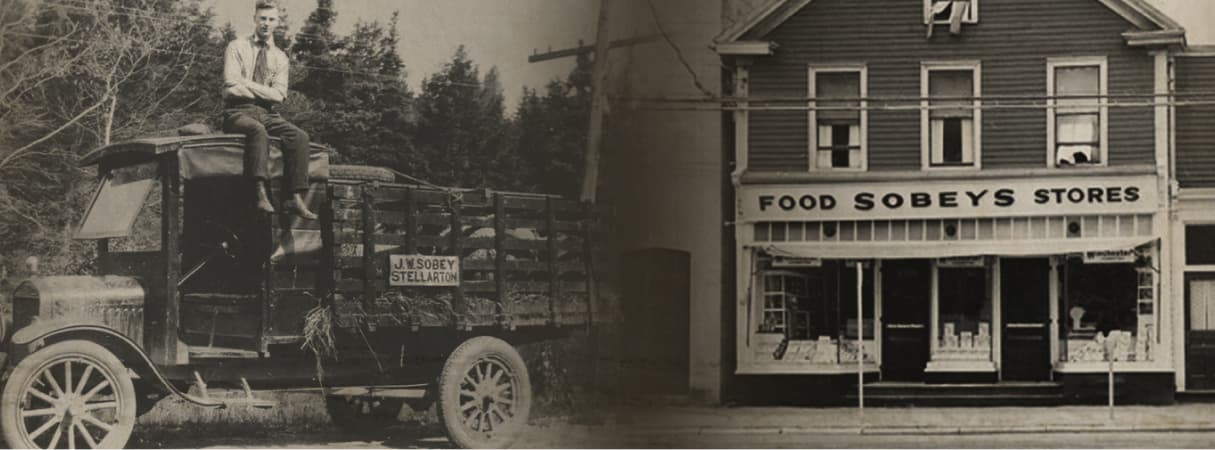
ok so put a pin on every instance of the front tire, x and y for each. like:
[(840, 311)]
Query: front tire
[(484, 394), (73, 394)]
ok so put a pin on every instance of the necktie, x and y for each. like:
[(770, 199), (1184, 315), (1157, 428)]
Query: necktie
[(260, 69)]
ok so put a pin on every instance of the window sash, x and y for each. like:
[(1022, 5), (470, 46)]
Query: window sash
[(838, 90), (965, 154), (836, 150), (955, 85), (1077, 122)]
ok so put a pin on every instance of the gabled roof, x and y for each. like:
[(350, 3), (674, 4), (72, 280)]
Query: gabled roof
[(771, 15)]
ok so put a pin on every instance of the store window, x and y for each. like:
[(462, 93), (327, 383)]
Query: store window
[(1101, 301), (1077, 114), (964, 306), (1200, 245), (806, 315), (839, 122), (951, 115)]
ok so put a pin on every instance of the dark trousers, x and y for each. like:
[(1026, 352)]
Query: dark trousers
[(258, 123)]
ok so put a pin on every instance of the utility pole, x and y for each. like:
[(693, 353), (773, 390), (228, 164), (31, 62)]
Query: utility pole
[(594, 135)]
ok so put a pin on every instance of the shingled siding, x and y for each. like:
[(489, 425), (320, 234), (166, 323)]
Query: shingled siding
[(1196, 124), (1012, 40)]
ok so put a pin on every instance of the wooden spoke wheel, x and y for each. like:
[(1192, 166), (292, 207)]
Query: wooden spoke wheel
[(484, 394), (73, 394), (363, 414)]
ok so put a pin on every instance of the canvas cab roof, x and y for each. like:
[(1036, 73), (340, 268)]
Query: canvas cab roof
[(201, 156)]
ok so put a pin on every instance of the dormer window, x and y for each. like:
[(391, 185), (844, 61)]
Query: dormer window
[(951, 11)]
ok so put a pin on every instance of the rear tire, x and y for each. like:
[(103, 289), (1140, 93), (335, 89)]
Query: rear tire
[(361, 173), (361, 415), (484, 394), (73, 394)]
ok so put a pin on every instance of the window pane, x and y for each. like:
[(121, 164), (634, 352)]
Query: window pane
[(1099, 299), (957, 84), (1081, 80), (839, 145), (120, 199), (1200, 244), (1202, 304), (1077, 128), (824, 136), (838, 85), (952, 141), (965, 314)]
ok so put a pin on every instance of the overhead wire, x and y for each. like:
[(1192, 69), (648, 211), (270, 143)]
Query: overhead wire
[(678, 51)]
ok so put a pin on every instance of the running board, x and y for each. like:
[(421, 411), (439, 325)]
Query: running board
[(408, 392), (202, 399)]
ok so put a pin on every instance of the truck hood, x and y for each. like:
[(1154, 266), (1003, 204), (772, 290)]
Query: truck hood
[(113, 301)]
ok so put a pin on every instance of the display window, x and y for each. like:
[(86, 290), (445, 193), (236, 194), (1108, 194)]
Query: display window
[(1102, 301), (806, 315), (964, 314)]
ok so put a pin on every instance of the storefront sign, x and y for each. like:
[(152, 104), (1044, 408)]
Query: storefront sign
[(423, 270), (914, 199), (1110, 256), (962, 262), (792, 261)]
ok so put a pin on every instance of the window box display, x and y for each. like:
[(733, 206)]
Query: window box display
[(804, 318), (1102, 301)]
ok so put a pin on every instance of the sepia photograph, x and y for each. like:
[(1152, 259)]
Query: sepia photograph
[(607, 223)]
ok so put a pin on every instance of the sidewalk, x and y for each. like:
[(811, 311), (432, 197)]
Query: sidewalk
[(914, 420)]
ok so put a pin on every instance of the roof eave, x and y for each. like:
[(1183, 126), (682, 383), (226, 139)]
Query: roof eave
[(1155, 38), (774, 13), (746, 48)]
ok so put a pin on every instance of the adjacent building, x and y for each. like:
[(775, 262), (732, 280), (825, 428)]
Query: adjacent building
[(1007, 192)]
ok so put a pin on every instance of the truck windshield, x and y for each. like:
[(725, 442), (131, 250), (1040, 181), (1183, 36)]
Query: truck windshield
[(119, 199)]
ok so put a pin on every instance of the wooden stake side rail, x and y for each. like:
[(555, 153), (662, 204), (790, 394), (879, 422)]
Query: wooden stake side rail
[(522, 257)]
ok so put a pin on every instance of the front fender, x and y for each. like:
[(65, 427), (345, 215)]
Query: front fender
[(42, 333)]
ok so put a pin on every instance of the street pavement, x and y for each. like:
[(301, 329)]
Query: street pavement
[(1175, 426), (1190, 417)]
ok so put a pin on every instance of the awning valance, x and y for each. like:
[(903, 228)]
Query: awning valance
[(938, 249)]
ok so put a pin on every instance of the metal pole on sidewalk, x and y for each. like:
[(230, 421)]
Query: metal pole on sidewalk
[(1109, 345), (1110, 381), (860, 342)]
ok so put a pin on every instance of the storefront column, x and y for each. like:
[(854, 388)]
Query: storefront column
[(877, 311), (997, 321), (1054, 314), (934, 317)]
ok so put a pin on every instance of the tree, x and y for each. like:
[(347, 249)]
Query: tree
[(461, 125), (76, 76), (350, 91), (550, 131)]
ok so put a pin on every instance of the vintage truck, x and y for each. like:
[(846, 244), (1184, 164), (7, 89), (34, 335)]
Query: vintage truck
[(401, 293)]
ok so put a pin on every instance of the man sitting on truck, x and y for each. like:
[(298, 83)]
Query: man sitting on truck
[(255, 80)]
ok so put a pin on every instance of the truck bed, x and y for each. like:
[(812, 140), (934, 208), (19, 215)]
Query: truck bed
[(522, 257)]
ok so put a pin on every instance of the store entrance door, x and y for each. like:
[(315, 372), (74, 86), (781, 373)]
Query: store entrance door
[(1200, 331), (1025, 310), (906, 289)]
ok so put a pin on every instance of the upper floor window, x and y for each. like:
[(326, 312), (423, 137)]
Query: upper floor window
[(838, 120), (950, 116), (1076, 113), (947, 11)]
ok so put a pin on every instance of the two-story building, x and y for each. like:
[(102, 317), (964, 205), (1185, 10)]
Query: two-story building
[(966, 191)]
